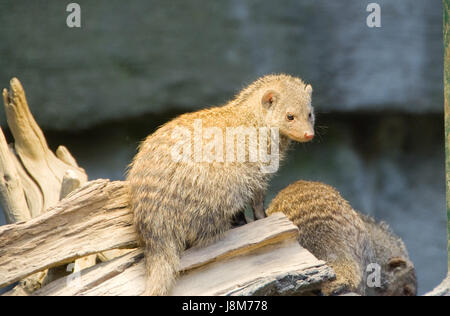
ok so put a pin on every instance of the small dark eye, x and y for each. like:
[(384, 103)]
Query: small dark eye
[(290, 117), (310, 115)]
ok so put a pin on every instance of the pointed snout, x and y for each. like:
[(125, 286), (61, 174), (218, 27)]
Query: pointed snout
[(308, 136), (301, 135)]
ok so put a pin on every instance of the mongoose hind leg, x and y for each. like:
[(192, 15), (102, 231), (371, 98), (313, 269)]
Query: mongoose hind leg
[(258, 205), (209, 230), (347, 279), (257, 210)]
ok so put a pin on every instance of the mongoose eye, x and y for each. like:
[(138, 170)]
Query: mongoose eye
[(290, 117), (310, 115)]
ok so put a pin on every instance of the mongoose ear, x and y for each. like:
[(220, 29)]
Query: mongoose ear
[(269, 99), (309, 89), (396, 262)]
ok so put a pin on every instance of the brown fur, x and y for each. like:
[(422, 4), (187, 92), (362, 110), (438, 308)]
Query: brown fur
[(348, 241), (180, 204)]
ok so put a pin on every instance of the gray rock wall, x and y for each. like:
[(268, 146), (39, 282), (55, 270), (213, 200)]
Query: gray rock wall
[(152, 56)]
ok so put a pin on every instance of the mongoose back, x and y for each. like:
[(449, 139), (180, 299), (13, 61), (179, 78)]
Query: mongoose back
[(348, 241), (185, 199)]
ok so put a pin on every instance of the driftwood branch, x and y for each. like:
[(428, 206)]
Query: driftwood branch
[(277, 269), (256, 258), (12, 196), (32, 175), (42, 166), (79, 225)]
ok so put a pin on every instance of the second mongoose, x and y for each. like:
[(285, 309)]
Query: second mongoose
[(347, 240), (183, 190)]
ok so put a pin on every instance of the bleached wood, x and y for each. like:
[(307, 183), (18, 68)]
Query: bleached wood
[(12, 196), (36, 174), (31, 146), (83, 281), (256, 273), (443, 289), (70, 182), (273, 264), (92, 219), (30, 164), (82, 224), (64, 154), (29, 284), (108, 255), (85, 262), (243, 239), (249, 259), (33, 193)]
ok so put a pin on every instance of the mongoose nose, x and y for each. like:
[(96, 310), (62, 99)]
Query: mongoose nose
[(309, 136)]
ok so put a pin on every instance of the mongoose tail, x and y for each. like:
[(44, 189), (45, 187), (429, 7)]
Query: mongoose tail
[(161, 269)]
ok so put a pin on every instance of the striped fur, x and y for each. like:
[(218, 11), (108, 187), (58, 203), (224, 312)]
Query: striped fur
[(348, 241)]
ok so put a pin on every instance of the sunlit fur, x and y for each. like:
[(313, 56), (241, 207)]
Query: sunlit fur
[(181, 204)]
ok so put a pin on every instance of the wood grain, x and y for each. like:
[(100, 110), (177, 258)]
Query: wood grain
[(89, 220), (275, 264)]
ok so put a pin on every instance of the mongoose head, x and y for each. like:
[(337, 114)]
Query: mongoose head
[(399, 278), (398, 275), (286, 104)]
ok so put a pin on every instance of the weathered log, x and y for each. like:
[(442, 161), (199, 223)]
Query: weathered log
[(278, 269), (81, 224), (259, 258), (12, 196), (32, 178), (443, 289)]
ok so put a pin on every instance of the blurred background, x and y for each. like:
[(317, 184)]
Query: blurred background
[(378, 92)]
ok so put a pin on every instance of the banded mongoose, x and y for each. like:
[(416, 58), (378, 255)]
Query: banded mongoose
[(184, 194), (347, 240)]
